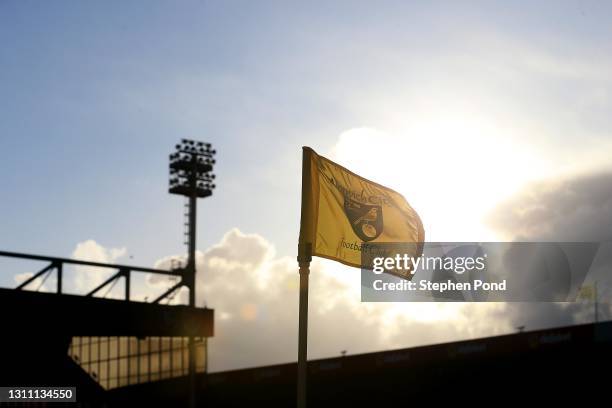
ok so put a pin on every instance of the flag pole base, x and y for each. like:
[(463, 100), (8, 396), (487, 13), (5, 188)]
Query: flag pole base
[(304, 259)]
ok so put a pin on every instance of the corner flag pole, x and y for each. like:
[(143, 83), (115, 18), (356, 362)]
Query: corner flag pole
[(595, 299), (304, 258)]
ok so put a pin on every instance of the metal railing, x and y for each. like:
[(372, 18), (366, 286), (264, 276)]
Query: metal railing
[(123, 271)]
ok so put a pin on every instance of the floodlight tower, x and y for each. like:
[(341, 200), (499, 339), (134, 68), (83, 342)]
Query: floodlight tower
[(191, 176)]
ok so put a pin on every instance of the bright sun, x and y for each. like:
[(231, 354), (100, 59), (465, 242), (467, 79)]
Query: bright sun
[(451, 171)]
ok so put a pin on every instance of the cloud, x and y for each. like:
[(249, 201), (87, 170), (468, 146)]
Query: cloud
[(571, 209), (574, 209), (82, 279), (90, 250), (78, 279), (40, 284)]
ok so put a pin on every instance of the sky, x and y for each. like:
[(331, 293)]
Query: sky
[(491, 118)]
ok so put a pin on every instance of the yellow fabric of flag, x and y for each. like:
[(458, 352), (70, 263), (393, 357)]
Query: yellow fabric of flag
[(587, 292), (345, 215)]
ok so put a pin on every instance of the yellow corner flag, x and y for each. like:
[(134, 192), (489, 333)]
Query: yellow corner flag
[(348, 219), (343, 214)]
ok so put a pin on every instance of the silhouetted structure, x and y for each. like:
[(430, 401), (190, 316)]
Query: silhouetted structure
[(39, 328), (191, 176), (549, 366)]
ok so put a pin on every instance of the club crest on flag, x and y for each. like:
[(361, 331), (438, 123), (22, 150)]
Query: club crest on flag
[(366, 219)]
